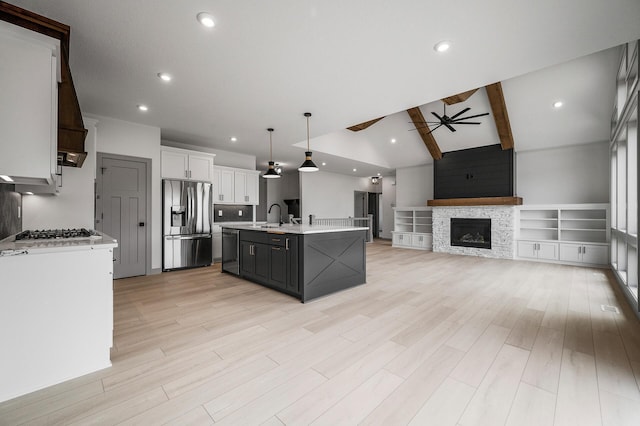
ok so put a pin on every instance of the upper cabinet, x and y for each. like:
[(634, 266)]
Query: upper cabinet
[(235, 186), (246, 186), (29, 78), (187, 165)]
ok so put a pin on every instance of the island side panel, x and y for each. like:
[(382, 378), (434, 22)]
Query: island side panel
[(332, 262)]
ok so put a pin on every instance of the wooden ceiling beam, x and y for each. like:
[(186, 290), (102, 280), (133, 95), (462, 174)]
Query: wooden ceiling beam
[(500, 115), (364, 125), (460, 97), (425, 133)]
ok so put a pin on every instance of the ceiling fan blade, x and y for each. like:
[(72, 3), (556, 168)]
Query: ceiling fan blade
[(438, 126), (460, 113), (426, 127), (472, 116), (467, 122), (437, 116), (423, 122), (449, 127)]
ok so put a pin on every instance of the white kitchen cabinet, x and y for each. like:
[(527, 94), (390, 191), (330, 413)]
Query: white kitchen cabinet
[(538, 250), (246, 186), (235, 186), (223, 185), (29, 75), (592, 254), (421, 241), (188, 165)]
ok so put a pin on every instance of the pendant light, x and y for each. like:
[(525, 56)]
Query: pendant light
[(308, 165), (271, 173)]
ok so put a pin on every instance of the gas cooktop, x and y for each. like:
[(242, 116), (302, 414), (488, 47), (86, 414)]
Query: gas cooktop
[(55, 234)]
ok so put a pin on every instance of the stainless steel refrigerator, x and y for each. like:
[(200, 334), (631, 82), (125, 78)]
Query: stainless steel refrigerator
[(186, 224)]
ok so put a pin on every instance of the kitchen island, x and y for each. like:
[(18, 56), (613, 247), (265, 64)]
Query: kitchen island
[(56, 307), (304, 261)]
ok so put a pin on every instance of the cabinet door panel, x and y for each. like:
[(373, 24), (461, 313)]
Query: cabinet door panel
[(200, 167), (224, 187), (240, 187), (278, 272), (252, 189), (261, 254), (595, 254), (247, 260), (291, 246), (527, 249), (570, 252), (174, 165), (548, 251)]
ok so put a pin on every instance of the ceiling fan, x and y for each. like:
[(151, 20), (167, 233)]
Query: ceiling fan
[(448, 122)]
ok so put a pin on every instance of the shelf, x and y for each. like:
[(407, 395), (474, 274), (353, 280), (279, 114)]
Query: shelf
[(538, 229), (583, 230), (481, 201)]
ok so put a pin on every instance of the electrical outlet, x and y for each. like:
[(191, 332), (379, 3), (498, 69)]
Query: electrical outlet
[(240, 213), (220, 213)]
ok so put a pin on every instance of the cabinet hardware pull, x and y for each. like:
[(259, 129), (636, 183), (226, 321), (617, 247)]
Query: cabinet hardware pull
[(275, 240), (286, 244), (275, 248)]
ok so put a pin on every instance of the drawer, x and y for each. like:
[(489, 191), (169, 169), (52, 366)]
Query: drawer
[(255, 236)]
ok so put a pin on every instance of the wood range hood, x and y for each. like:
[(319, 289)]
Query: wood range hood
[(71, 130)]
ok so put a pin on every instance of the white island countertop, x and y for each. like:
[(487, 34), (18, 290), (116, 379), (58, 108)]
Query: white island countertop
[(288, 228), (10, 247)]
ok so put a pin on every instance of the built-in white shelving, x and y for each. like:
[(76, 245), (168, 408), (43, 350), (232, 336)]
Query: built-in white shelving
[(412, 228), (568, 233)]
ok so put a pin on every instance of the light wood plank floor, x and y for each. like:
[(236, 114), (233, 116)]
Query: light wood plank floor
[(431, 339)]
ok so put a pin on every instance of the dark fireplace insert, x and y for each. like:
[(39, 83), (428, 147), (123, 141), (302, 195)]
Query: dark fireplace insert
[(471, 233)]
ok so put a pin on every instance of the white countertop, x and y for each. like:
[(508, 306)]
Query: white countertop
[(10, 247), (297, 229)]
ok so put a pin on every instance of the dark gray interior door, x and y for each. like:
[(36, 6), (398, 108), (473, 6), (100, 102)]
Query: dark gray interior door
[(122, 211)]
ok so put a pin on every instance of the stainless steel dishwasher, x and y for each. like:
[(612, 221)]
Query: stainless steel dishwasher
[(231, 251)]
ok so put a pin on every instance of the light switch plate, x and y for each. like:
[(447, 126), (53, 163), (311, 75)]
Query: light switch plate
[(220, 213), (239, 212)]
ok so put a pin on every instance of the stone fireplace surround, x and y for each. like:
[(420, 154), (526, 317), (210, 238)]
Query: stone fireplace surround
[(503, 230)]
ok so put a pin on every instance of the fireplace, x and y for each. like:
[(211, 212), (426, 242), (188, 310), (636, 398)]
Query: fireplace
[(471, 232)]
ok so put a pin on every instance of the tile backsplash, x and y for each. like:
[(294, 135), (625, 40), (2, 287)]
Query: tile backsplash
[(10, 204), (232, 213)]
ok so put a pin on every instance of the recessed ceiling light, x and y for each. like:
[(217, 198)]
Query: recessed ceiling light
[(324, 164), (442, 46), (143, 107), (393, 141), (6, 178), (234, 139), (379, 174), (206, 19), (164, 76), (557, 104), (355, 170), (28, 193)]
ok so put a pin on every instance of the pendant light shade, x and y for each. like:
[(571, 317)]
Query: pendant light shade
[(308, 165), (271, 172)]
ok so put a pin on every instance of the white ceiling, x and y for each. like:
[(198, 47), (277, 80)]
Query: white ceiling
[(265, 63)]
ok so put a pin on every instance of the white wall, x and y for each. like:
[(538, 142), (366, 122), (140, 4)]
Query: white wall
[(329, 194), (414, 186), (223, 158), (388, 202), (137, 140), (575, 174), (73, 206)]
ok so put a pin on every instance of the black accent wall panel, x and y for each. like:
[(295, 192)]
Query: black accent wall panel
[(486, 171)]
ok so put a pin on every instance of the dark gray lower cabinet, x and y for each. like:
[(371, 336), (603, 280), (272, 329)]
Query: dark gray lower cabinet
[(305, 266), (270, 259), (254, 260)]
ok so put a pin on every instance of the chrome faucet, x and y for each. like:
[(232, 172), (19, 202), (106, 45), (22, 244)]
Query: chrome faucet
[(279, 210)]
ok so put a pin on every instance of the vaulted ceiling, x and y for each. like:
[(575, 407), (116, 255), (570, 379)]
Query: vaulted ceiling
[(265, 63)]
